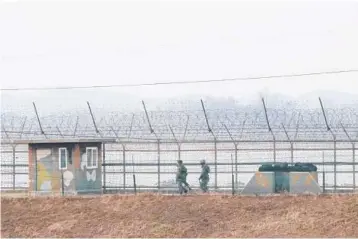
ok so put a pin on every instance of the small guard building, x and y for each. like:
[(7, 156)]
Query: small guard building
[(69, 166)]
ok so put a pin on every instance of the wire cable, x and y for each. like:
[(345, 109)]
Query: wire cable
[(184, 82)]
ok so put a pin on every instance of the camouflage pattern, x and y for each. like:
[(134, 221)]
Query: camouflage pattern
[(181, 178), (204, 176), (181, 187)]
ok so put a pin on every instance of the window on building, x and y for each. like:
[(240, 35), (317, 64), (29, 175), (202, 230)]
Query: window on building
[(62, 153), (92, 157)]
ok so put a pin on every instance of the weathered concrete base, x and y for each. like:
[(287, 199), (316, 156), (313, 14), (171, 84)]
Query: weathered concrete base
[(304, 182), (260, 183)]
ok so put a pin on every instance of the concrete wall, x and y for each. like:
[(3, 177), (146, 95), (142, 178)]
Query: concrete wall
[(295, 182), (260, 183), (304, 182)]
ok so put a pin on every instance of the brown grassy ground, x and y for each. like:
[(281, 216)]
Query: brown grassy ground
[(173, 216)]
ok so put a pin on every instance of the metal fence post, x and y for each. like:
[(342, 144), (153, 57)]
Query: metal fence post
[(36, 171), (13, 167), (216, 164), (236, 175), (104, 166), (124, 168), (274, 150), (324, 181), (354, 167), (323, 173), (134, 184), (291, 152), (62, 184), (158, 152), (335, 164), (232, 177)]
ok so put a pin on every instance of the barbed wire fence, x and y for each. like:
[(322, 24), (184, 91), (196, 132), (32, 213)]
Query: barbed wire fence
[(233, 141)]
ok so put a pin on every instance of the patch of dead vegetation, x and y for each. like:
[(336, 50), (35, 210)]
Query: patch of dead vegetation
[(150, 215)]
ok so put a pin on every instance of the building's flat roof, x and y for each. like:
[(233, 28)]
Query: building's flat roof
[(53, 141)]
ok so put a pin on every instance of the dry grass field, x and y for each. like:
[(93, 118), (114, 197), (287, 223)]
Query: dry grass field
[(150, 215)]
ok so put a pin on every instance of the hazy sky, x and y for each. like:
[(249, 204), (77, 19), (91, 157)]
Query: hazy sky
[(47, 43)]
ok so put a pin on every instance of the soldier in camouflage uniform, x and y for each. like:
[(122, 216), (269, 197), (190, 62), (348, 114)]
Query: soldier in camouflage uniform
[(181, 178), (204, 176)]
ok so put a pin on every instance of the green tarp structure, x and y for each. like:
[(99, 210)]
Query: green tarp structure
[(303, 167), (286, 167), (281, 173), (274, 167)]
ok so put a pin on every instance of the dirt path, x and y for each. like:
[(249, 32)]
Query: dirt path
[(173, 216)]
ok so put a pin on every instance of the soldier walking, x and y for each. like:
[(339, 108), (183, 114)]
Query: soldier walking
[(204, 176), (181, 178)]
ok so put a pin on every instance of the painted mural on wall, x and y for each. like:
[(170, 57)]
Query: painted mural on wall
[(49, 178), (68, 173), (303, 182), (262, 179), (261, 182), (67, 178), (302, 178), (51, 174), (88, 180)]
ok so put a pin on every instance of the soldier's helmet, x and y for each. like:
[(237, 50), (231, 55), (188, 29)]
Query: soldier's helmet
[(180, 161), (202, 161)]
